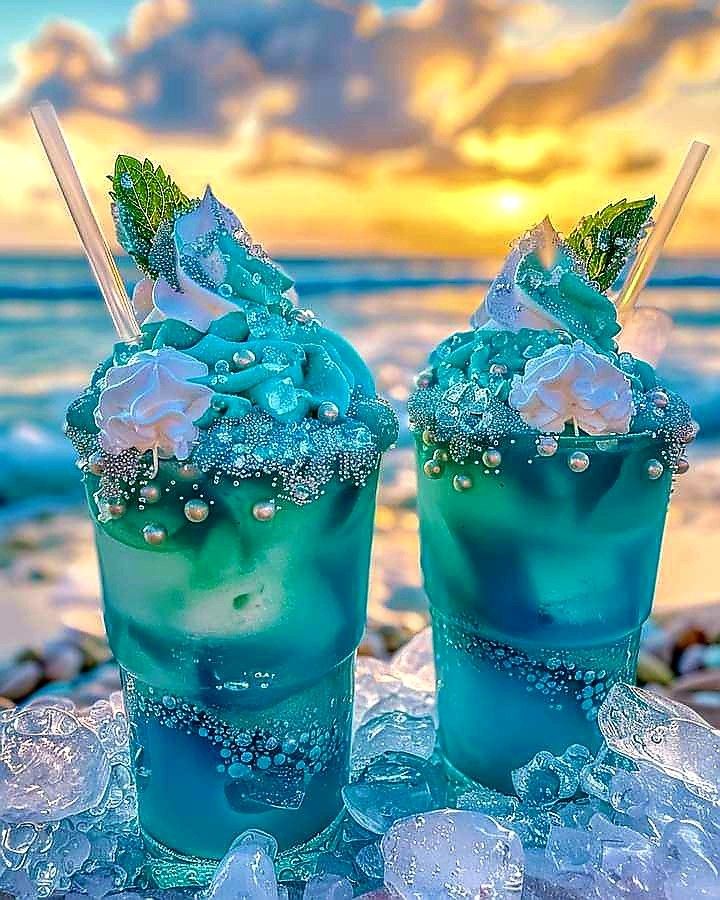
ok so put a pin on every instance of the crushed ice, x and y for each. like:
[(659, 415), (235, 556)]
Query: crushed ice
[(639, 819)]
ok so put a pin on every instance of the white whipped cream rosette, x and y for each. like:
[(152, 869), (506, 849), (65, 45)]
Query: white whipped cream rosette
[(573, 383), (150, 403)]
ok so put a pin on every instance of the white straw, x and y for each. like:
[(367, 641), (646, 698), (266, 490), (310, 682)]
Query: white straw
[(651, 250), (96, 248)]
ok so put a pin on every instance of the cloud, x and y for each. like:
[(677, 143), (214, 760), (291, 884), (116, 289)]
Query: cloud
[(616, 72), (334, 85)]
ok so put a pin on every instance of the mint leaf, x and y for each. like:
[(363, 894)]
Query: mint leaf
[(144, 198), (605, 240)]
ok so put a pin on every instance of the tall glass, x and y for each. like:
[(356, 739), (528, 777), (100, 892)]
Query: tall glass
[(540, 578), (236, 638)]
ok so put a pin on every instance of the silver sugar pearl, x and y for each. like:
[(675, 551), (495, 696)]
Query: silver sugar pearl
[(116, 509), (659, 398), (654, 469), (547, 445), (423, 380), (196, 510), (96, 463), (492, 458), (188, 472), (682, 466), (462, 483), (150, 493), (428, 437), (578, 461), (440, 455), (225, 290), (328, 411), (498, 369), (243, 358), (433, 469), (154, 534), (264, 510)]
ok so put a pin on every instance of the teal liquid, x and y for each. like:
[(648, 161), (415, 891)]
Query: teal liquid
[(539, 581), (237, 639)]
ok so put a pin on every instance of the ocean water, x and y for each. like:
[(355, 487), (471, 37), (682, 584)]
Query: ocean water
[(54, 330)]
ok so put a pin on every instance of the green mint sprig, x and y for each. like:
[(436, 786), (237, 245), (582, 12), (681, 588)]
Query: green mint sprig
[(144, 198), (605, 240)]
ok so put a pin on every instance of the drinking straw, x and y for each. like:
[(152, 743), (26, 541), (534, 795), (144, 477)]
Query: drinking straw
[(96, 248), (650, 251)]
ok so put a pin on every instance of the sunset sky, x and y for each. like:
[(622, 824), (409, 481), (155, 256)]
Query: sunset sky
[(337, 126)]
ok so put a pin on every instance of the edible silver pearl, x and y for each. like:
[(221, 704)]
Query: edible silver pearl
[(682, 466), (154, 534), (243, 358), (423, 380), (225, 290), (492, 458), (328, 411), (659, 398), (428, 437), (578, 461), (547, 445), (433, 469), (96, 463), (654, 469), (440, 455), (150, 493), (498, 369), (116, 509), (188, 472), (462, 483), (196, 510), (264, 510)]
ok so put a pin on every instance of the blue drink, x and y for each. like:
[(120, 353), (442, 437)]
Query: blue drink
[(231, 457), (237, 644), (546, 457), (539, 580)]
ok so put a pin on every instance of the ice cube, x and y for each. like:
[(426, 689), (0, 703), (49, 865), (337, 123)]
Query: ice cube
[(247, 870), (691, 858), (395, 731), (391, 787), (452, 853), (328, 887), (414, 665), (547, 778), (52, 765), (646, 727)]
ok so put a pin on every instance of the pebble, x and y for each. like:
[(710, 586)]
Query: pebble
[(703, 680), (652, 670), (20, 679), (691, 659), (62, 660)]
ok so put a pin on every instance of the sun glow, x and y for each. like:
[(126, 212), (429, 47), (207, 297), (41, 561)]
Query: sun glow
[(510, 202)]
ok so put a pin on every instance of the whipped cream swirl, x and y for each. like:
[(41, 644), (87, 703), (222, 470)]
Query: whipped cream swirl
[(150, 403), (573, 383)]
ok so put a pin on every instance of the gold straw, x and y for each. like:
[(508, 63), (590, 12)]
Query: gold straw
[(96, 248), (651, 250)]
